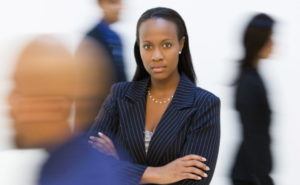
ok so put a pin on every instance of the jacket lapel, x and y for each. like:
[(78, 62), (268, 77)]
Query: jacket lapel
[(180, 109), (132, 115)]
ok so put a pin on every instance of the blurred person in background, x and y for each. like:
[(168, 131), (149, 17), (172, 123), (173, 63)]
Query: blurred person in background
[(109, 39), (167, 124), (253, 162), (95, 76), (110, 47), (47, 79)]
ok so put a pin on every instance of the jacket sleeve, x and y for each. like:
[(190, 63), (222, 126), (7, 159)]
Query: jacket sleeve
[(107, 123), (203, 137)]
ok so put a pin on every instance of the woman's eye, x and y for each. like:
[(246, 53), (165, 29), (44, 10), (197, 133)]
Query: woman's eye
[(147, 46), (167, 45)]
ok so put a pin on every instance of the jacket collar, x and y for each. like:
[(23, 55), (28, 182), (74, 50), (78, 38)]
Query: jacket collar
[(183, 97)]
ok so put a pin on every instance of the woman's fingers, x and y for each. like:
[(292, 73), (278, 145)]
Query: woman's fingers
[(193, 157), (190, 176), (195, 161), (98, 140), (197, 164), (96, 146), (99, 149), (196, 171), (104, 143), (96, 143), (187, 167), (105, 138)]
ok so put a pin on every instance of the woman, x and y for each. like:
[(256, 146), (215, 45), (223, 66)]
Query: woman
[(253, 162), (161, 118)]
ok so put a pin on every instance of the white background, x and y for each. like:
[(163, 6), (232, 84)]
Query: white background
[(214, 28)]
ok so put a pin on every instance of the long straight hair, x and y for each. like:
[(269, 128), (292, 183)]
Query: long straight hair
[(185, 64), (257, 34)]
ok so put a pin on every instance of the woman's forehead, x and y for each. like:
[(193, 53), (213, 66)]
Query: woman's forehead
[(158, 27)]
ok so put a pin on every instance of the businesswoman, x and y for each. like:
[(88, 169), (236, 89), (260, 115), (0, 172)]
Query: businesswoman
[(253, 162), (169, 127)]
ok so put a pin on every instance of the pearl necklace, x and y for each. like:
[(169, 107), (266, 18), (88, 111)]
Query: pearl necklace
[(155, 100)]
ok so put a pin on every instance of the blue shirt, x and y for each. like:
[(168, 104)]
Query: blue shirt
[(110, 40), (77, 163)]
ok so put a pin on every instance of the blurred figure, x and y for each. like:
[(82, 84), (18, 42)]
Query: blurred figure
[(43, 92), (109, 46), (47, 80), (109, 39), (94, 80), (253, 162)]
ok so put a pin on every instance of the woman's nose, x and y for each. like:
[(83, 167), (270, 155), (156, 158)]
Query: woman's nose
[(157, 55)]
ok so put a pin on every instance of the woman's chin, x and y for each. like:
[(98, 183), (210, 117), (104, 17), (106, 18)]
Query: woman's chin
[(159, 76)]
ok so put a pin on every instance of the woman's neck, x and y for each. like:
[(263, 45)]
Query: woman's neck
[(163, 88)]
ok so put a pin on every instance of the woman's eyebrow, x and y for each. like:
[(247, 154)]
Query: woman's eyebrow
[(167, 40), (164, 40), (146, 41)]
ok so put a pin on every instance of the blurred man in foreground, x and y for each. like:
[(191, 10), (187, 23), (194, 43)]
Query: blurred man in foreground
[(47, 81)]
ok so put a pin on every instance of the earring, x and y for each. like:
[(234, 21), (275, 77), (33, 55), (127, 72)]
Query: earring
[(179, 52)]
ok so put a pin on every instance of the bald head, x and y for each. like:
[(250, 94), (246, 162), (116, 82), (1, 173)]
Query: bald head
[(47, 80)]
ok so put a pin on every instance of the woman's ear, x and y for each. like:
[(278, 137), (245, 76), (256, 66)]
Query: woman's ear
[(181, 43)]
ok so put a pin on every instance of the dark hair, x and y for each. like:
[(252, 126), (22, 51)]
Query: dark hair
[(185, 64), (257, 33)]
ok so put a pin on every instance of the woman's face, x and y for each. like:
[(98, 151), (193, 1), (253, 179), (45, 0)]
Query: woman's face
[(160, 47), (267, 50)]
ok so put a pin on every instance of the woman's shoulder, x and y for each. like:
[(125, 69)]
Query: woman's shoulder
[(119, 85), (203, 96), (120, 88)]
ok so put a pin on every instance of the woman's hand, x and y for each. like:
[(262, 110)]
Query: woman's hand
[(187, 167), (104, 145)]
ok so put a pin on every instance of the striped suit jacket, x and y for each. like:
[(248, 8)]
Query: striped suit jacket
[(190, 125)]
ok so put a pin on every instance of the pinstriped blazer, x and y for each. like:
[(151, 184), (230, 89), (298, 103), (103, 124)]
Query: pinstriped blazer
[(190, 125)]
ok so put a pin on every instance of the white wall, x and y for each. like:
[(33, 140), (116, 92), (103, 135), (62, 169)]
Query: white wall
[(214, 28)]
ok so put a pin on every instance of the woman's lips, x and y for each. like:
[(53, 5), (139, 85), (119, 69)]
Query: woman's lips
[(158, 69)]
